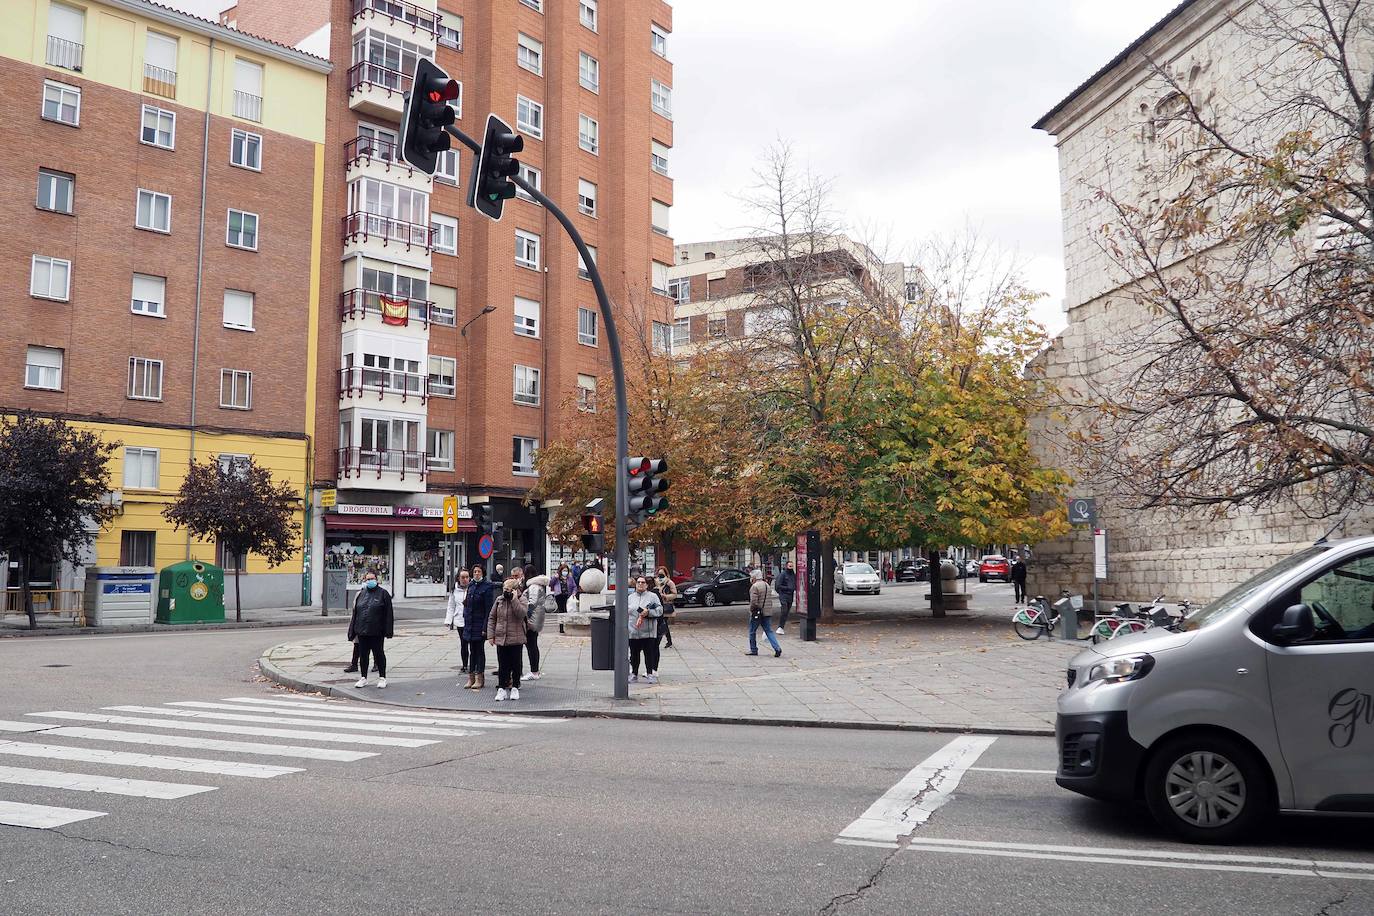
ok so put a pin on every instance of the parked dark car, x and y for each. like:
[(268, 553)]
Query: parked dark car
[(994, 567), (711, 587), (912, 570)]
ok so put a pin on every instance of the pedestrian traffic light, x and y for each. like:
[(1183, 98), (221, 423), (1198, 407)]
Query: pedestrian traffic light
[(647, 480), (594, 533), (491, 186), (426, 114), (482, 516)]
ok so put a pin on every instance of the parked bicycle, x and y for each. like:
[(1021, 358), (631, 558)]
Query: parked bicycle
[(1124, 621), (1040, 617)]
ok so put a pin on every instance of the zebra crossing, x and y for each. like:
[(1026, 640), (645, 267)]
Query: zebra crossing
[(295, 730)]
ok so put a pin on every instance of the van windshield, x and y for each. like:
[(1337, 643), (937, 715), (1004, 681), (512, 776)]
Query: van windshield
[(1236, 597)]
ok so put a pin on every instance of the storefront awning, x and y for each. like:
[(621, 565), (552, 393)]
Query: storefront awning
[(333, 522)]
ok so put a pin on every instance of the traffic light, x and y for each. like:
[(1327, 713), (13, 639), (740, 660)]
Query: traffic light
[(593, 533), (481, 514), (426, 114), (646, 482), (491, 186), (498, 538)]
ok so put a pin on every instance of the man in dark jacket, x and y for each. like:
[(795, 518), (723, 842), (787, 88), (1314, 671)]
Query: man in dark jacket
[(476, 608), (1018, 579), (373, 622), (786, 587)]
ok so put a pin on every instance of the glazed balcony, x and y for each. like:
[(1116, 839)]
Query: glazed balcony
[(384, 469), (377, 90), (362, 382), (379, 158), (365, 305), (397, 17)]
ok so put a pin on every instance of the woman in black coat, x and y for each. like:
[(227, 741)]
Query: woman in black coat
[(373, 622), (476, 608)]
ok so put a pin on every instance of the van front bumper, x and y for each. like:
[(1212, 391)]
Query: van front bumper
[(1097, 755)]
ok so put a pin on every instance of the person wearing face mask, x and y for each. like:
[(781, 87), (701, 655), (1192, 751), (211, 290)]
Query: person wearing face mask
[(454, 618), (508, 629), (645, 611), (666, 589), (481, 595), (373, 622), (786, 587)]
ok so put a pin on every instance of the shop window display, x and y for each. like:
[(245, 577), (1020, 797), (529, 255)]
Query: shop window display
[(424, 564), (360, 554)]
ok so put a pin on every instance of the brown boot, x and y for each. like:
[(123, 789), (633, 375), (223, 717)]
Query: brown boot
[(481, 681), (472, 682)]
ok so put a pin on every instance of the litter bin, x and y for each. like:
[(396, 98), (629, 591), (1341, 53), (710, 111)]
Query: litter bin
[(119, 595), (603, 642), (190, 592)]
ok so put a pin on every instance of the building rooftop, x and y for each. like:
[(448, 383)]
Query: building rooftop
[(212, 29)]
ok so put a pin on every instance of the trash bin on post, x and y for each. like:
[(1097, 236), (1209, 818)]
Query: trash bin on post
[(190, 592), (119, 596), (603, 641)]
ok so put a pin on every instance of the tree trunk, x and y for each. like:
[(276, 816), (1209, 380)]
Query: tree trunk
[(26, 591), (937, 585), (827, 580), (238, 604)]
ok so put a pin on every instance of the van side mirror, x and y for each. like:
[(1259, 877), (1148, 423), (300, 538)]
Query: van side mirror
[(1296, 625)]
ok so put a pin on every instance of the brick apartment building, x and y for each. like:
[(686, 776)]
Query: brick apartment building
[(159, 194), (453, 401)]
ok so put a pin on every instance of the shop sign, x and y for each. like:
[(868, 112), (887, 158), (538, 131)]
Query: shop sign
[(344, 509), (409, 511), (329, 499)]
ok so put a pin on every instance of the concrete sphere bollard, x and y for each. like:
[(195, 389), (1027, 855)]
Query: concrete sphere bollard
[(593, 582), (947, 571)]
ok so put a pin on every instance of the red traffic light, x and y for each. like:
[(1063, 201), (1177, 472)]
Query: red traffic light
[(592, 524), (441, 91), (637, 466)]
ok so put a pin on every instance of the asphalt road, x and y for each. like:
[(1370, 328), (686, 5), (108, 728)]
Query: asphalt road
[(576, 816)]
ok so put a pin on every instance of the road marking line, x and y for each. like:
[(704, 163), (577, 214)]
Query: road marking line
[(1189, 855), (919, 793), (487, 720), (845, 842), (151, 761), (230, 729), (208, 744), (1009, 770), (42, 817), (279, 719), (108, 785), (23, 726)]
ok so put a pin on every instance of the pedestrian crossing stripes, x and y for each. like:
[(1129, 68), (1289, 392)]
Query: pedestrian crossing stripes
[(293, 728)]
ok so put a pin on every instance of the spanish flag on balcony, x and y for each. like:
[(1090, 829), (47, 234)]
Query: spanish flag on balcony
[(395, 311)]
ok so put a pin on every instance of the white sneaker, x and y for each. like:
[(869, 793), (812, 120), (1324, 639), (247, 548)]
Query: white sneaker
[(653, 679), (533, 676), (515, 693), (362, 682), (778, 631), (501, 694), (381, 682), (634, 679)]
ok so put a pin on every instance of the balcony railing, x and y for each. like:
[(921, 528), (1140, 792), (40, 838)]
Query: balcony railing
[(386, 228), (160, 81), (356, 381), (360, 303), (375, 149), (64, 53), (399, 11), (247, 106), (370, 74), (355, 461)]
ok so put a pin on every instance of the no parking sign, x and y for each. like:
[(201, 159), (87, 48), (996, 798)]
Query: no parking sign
[(484, 547)]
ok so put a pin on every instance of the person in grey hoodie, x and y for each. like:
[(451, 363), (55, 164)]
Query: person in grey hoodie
[(645, 610), (758, 615), (536, 589)]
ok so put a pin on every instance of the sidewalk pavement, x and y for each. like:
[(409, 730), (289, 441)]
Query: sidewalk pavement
[(256, 618), (960, 673)]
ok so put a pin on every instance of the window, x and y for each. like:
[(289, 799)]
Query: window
[(663, 337), (233, 465), (680, 290), (238, 310), (660, 278), (55, 191), (450, 30), (588, 134), (160, 65), (247, 90), (378, 143), (662, 99), (529, 117), (536, 5), (586, 393), (149, 296), (529, 53), (658, 40), (582, 266), (523, 449), (533, 176), (243, 230), (586, 197), (138, 548), (229, 561), (245, 150), (682, 332), (658, 157), (586, 327), (527, 386), (236, 389), (588, 71), (444, 234), (446, 167), (66, 32), (61, 103), (658, 217), (140, 468), (715, 326), (439, 449), (43, 368), (527, 249), (159, 127), (443, 371), (154, 211), (145, 379), (526, 317), (50, 278), (1346, 592), (392, 212), (586, 13)]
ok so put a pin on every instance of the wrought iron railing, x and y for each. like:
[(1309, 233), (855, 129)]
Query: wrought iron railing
[(360, 303), (357, 381), (66, 54), (160, 81), (367, 73), (366, 226), (355, 461), (247, 106)]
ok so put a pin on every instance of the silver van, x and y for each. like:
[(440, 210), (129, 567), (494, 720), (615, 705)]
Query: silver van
[(1264, 701)]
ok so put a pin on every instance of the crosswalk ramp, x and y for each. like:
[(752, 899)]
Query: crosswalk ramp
[(240, 739)]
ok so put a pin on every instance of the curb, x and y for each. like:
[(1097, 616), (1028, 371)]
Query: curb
[(275, 674), (172, 627)]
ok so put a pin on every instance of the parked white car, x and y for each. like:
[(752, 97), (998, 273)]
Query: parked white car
[(857, 577)]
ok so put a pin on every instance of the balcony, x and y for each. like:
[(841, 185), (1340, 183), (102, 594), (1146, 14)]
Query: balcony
[(377, 90), (366, 465), (360, 381), (386, 238), (248, 106), (159, 81), (411, 21), (65, 54), (379, 158), (365, 304)]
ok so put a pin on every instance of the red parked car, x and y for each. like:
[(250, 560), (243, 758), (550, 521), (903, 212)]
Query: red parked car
[(994, 567)]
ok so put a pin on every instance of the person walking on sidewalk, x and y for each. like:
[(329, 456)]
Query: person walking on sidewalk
[(786, 586), (477, 604), (564, 587), (666, 589), (536, 594), (507, 628), (454, 618), (1018, 579), (373, 621), (758, 615), (645, 611)]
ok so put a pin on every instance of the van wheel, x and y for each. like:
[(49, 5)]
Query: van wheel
[(1208, 788)]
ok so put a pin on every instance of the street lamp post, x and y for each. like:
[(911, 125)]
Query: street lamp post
[(467, 425)]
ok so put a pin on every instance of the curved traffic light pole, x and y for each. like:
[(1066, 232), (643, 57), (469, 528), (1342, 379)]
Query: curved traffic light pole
[(622, 429)]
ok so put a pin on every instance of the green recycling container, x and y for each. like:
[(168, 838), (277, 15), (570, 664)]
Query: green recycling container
[(190, 592)]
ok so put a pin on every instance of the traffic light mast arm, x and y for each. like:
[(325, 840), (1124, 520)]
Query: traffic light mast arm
[(464, 139)]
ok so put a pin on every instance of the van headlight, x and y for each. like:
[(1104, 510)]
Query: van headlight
[(1116, 670)]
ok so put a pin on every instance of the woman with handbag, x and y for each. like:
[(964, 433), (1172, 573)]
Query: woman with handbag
[(537, 599), (667, 593)]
